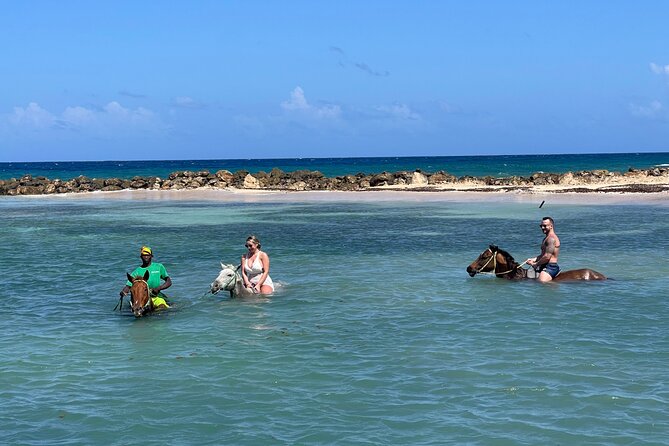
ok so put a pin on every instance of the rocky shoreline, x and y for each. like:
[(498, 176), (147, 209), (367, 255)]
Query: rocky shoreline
[(651, 180)]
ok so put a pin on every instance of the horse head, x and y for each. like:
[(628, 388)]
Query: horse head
[(496, 261), (140, 299), (226, 280), (484, 262)]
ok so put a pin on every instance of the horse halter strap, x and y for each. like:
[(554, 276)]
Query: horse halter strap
[(493, 258), (233, 278)]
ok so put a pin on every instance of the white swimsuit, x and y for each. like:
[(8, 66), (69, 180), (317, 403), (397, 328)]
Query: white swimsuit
[(254, 271)]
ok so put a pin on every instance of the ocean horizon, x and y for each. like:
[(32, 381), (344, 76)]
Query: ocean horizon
[(478, 165)]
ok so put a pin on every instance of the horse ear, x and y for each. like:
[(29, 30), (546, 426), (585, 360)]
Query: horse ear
[(494, 248), (146, 275), (129, 277), (222, 265)]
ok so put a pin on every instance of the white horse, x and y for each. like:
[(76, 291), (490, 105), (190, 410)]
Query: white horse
[(230, 280)]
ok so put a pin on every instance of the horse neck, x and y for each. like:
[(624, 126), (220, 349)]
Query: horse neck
[(239, 285), (508, 268)]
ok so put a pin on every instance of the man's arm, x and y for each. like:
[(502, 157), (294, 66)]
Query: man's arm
[(163, 286)]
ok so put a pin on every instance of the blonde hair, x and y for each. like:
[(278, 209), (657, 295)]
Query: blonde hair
[(254, 239)]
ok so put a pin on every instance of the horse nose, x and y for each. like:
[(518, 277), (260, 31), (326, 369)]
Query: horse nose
[(471, 271)]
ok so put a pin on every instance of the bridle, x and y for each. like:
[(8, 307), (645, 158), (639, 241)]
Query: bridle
[(232, 280), (148, 296), (493, 259)]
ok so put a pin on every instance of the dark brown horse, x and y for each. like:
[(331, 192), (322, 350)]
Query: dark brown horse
[(499, 262), (140, 295)]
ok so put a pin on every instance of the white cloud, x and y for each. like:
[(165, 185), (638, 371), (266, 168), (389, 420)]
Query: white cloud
[(328, 111), (119, 114), (651, 110), (298, 103), (111, 118), (78, 116), (297, 100), (398, 111), (659, 69), (33, 116), (115, 109)]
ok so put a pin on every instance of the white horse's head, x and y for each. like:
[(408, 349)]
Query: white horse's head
[(226, 279)]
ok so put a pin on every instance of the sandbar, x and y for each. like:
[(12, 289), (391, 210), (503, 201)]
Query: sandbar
[(537, 194)]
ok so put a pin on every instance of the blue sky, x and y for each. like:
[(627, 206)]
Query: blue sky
[(102, 80)]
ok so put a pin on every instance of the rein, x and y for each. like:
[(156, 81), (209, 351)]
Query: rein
[(493, 258), (119, 305)]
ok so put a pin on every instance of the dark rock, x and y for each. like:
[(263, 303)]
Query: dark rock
[(315, 180), (441, 177), (111, 187), (382, 179), (112, 182)]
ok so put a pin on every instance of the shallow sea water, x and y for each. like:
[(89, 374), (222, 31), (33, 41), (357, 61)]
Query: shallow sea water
[(376, 336)]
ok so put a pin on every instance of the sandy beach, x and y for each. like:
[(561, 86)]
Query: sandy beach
[(537, 194)]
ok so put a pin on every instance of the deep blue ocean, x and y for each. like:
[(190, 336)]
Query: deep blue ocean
[(496, 166), (376, 336)]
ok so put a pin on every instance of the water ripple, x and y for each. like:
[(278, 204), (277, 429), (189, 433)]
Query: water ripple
[(377, 337)]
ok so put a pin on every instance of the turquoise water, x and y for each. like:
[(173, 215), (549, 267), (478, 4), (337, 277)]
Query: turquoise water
[(377, 336), (493, 165)]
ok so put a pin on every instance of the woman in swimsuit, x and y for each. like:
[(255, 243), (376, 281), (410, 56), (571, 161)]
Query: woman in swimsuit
[(255, 268)]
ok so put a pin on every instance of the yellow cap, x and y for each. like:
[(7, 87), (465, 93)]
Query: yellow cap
[(145, 250)]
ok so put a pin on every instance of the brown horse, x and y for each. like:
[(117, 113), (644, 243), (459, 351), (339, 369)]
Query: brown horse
[(501, 263), (140, 295)]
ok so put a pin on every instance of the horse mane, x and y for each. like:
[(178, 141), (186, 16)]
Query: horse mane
[(508, 257)]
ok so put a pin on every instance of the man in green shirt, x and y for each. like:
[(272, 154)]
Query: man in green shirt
[(157, 272)]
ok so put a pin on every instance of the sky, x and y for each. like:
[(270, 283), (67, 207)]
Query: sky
[(134, 80)]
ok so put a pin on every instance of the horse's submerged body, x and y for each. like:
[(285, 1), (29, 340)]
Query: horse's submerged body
[(230, 280), (499, 262)]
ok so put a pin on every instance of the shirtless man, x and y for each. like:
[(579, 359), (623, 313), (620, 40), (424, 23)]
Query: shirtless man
[(546, 262)]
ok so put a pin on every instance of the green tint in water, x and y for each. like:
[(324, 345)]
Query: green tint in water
[(377, 336)]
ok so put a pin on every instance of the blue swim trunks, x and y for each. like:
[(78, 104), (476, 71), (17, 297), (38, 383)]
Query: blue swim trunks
[(551, 268)]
